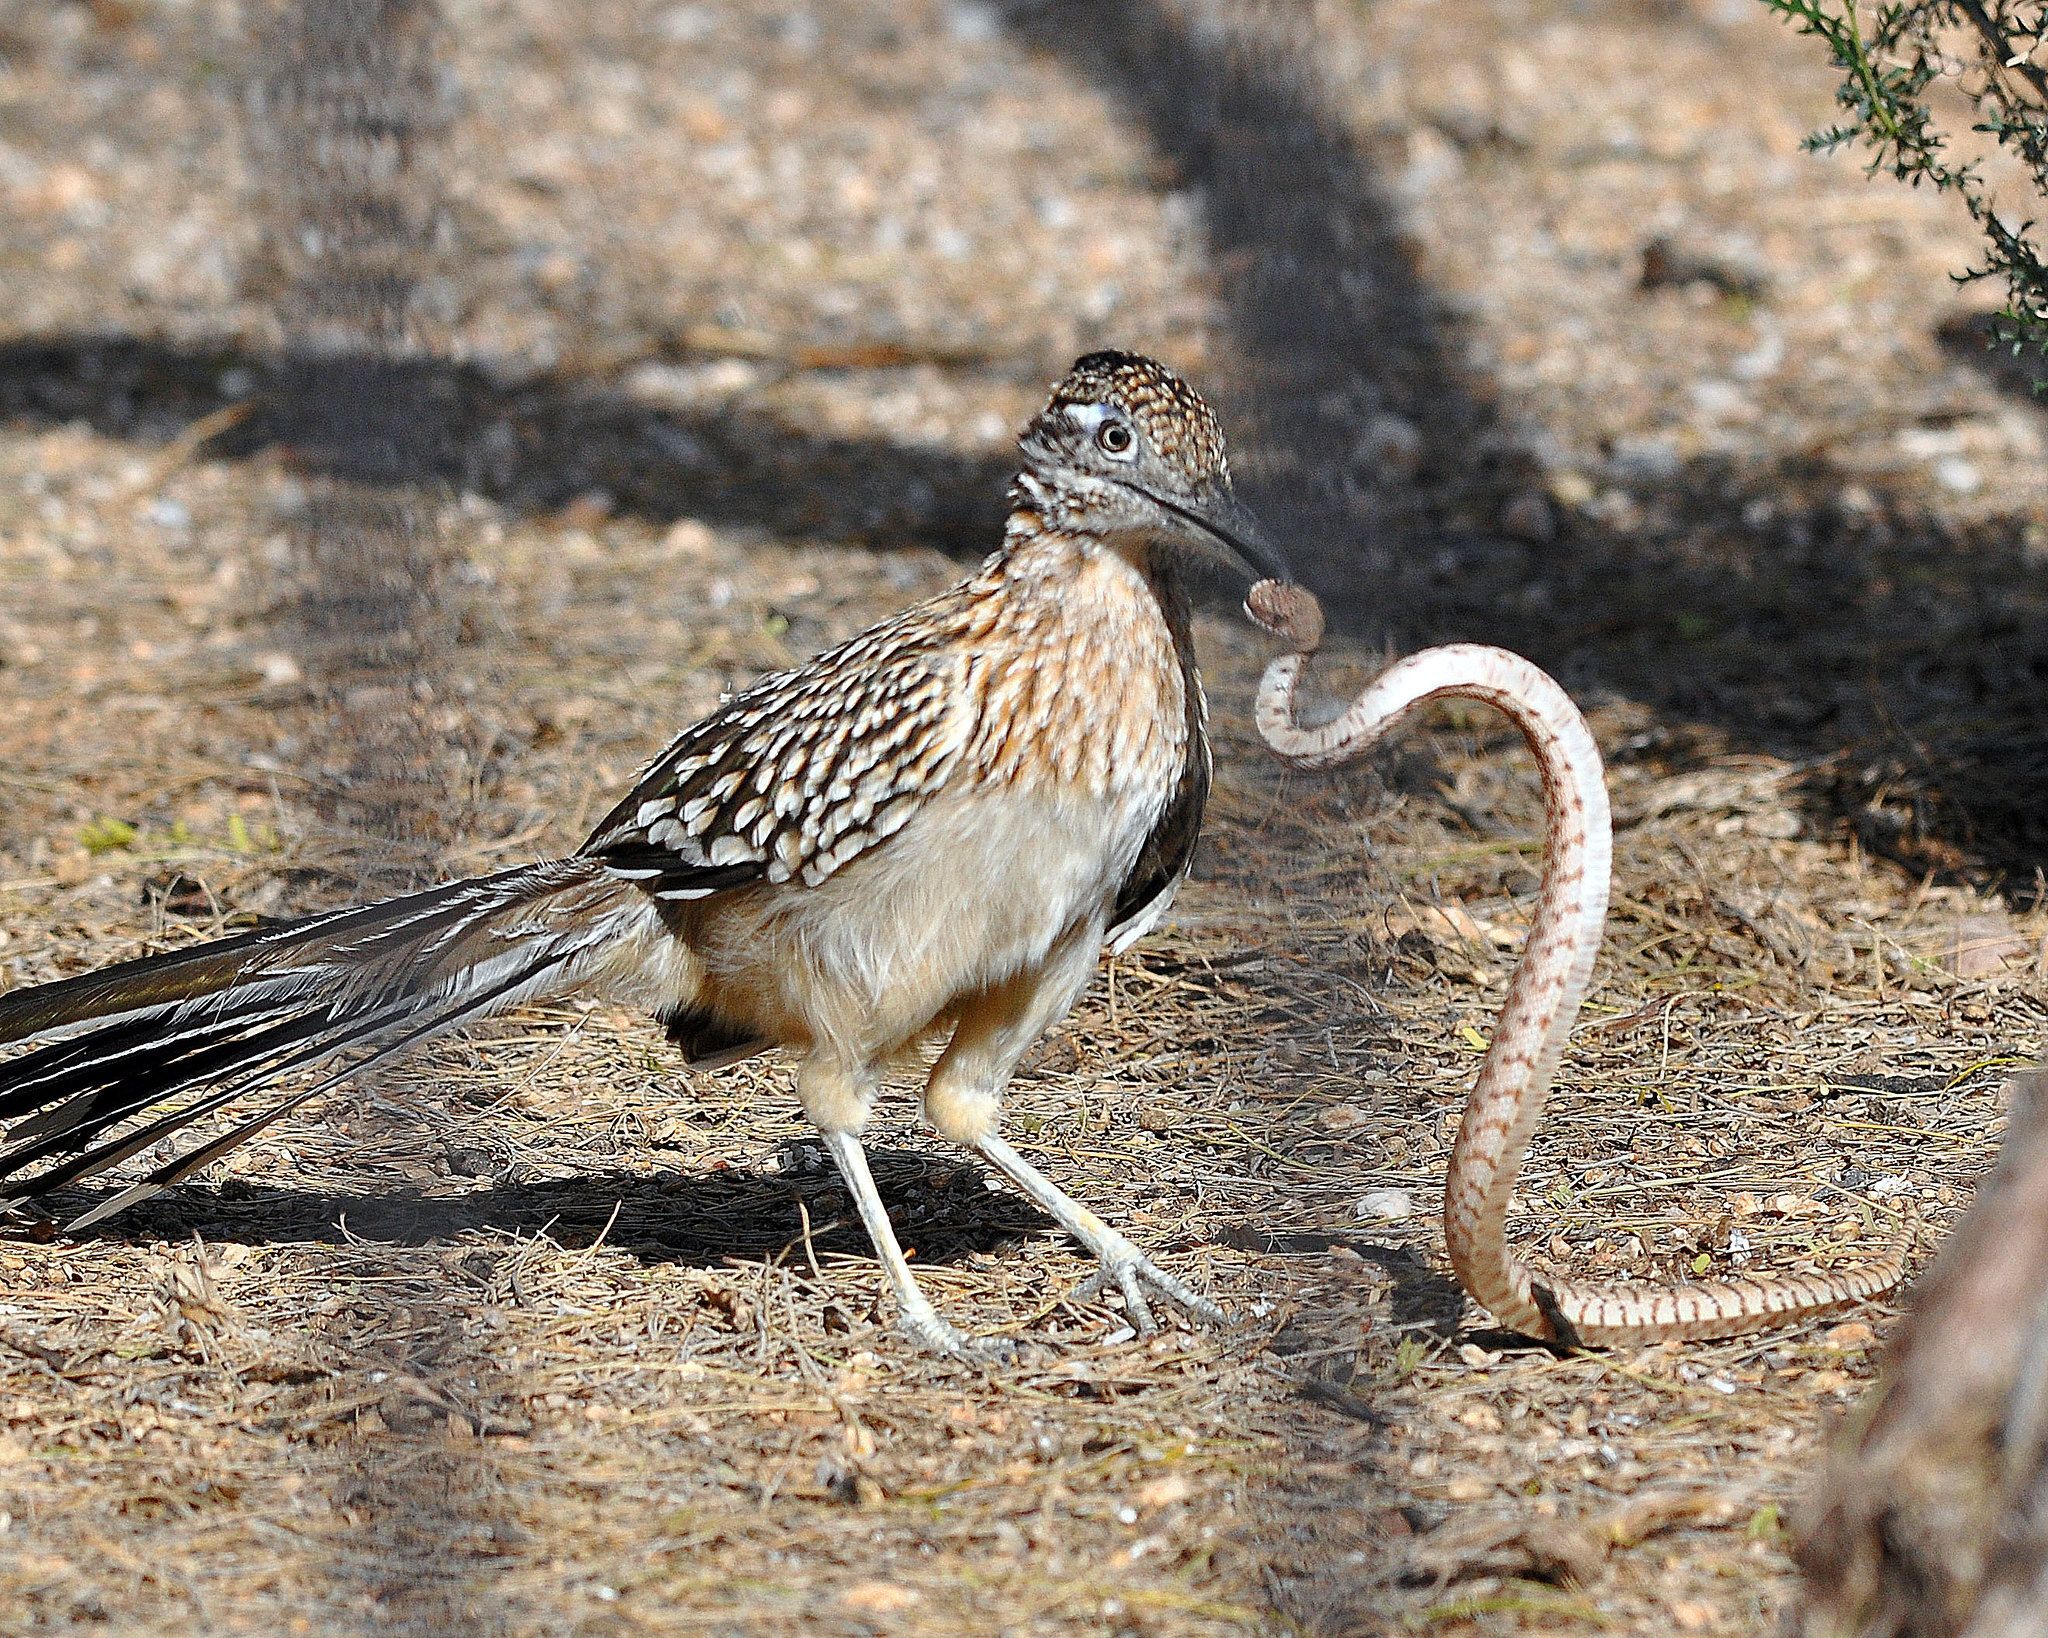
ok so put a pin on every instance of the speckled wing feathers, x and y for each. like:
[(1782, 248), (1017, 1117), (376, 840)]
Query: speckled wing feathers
[(799, 774)]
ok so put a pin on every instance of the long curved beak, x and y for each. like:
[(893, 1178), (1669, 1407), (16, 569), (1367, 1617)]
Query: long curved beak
[(1221, 526)]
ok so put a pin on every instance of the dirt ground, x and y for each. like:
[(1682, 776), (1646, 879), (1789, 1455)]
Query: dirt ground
[(1533, 325)]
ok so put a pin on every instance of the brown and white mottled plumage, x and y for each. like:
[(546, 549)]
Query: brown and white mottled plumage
[(931, 830)]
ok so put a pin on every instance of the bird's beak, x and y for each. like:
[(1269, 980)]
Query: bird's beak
[(1221, 526)]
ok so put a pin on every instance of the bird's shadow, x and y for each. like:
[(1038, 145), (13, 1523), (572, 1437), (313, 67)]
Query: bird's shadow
[(943, 1210)]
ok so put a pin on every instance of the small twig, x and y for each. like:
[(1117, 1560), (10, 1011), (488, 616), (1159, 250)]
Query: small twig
[(2009, 59), (194, 438), (810, 1251), (597, 1245)]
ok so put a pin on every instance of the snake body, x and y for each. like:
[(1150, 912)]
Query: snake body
[(1543, 995)]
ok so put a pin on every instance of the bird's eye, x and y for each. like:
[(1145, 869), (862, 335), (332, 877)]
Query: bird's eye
[(1114, 437)]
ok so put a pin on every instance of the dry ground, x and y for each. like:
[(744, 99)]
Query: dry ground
[(535, 1336)]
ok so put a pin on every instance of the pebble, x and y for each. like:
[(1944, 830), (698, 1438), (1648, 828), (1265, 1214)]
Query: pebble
[(279, 669), (1722, 401), (1433, 162), (1571, 488), (1762, 360), (1390, 448), (1389, 1205), (1958, 476), (1529, 517), (1644, 457)]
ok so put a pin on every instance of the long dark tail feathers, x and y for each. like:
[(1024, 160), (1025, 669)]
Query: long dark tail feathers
[(126, 1057)]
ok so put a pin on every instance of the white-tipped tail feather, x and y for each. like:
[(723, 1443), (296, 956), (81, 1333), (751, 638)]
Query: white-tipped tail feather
[(128, 1056)]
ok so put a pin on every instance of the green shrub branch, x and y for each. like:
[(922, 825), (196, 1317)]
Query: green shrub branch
[(1890, 58)]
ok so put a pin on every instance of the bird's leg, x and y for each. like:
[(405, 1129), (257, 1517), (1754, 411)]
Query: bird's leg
[(962, 1101), (837, 1100), (1123, 1264), (914, 1311)]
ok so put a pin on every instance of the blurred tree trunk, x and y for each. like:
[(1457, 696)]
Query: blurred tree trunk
[(1932, 1518)]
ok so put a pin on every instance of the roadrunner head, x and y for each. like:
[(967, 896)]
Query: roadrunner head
[(1127, 451)]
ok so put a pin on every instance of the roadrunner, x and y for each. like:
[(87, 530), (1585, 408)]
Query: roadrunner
[(934, 829)]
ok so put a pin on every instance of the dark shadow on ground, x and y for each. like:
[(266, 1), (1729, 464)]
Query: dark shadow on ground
[(1903, 659), (531, 445), (1777, 607), (1972, 338), (942, 1209), (1333, 323), (1423, 1298)]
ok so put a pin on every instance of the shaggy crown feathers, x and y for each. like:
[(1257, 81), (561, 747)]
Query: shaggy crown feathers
[(1175, 419)]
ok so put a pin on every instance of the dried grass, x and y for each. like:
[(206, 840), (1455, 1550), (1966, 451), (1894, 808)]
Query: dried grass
[(534, 1336)]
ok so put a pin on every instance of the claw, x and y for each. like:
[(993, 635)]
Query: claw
[(933, 1334), (1132, 1271), (1121, 1261), (938, 1336)]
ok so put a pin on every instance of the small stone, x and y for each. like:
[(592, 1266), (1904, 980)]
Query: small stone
[(1722, 401), (587, 510), (279, 670), (689, 537), (1388, 1205), (1762, 360), (1529, 517), (1390, 448), (1433, 162), (1571, 488), (1644, 457), (1958, 476), (972, 23)]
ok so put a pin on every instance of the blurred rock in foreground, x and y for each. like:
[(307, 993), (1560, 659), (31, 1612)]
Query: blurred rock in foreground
[(1932, 1517)]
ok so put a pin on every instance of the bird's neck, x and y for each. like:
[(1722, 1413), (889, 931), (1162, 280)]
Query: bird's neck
[(1091, 646), (1043, 557)]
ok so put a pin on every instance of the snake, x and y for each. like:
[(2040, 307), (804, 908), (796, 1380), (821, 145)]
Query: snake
[(1544, 993)]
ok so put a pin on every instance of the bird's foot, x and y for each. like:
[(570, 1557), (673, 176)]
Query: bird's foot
[(1124, 1266), (936, 1335), (1130, 1272)]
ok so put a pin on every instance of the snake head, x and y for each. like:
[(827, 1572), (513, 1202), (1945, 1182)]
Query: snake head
[(1289, 612)]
